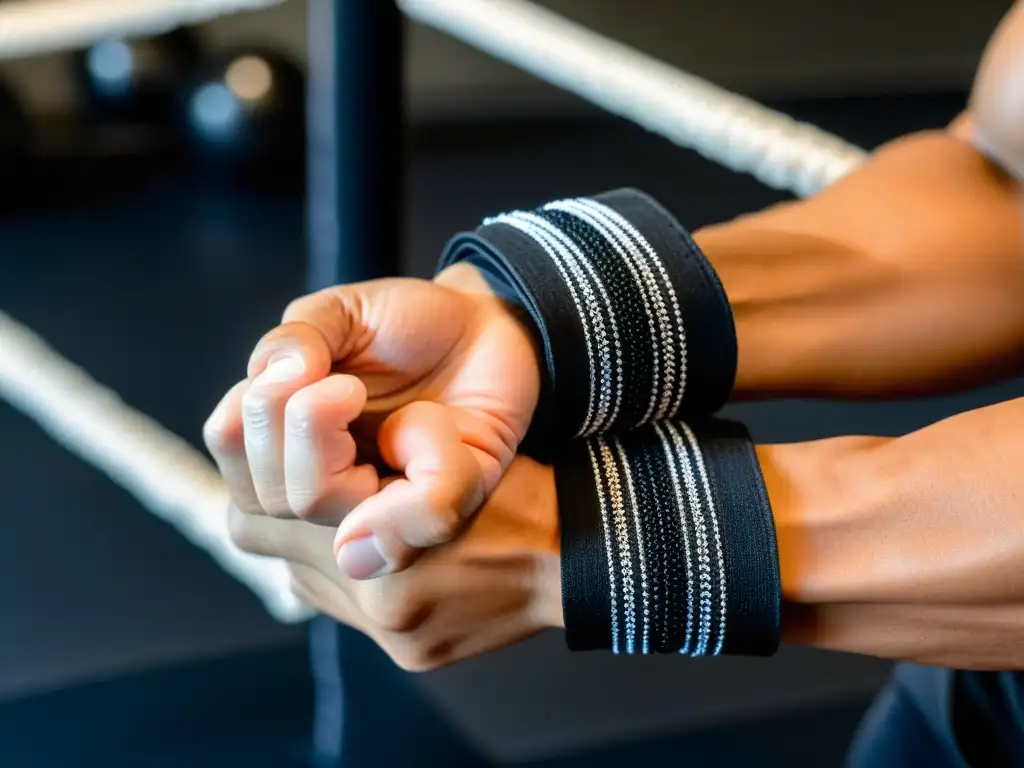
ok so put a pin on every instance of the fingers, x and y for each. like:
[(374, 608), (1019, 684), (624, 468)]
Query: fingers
[(224, 437), (286, 360), (322, 481), (442, 485), (281, 439), (303, 340), (292, 540)]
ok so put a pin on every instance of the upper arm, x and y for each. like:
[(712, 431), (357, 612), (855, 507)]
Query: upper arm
[(925, 200)]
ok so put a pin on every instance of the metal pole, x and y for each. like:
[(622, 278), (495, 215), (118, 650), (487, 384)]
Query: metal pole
[(355, 196), (356, 140)]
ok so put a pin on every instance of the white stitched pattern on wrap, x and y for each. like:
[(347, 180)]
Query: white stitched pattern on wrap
[(665, 410), (671, 460), (678, 450), (713, 512), (622, 534), (603, 504), (654, 309), (611, 367), (565, 264), (641, 554)]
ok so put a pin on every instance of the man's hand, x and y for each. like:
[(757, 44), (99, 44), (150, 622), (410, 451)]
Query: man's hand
[(435, 381), (496, 584)]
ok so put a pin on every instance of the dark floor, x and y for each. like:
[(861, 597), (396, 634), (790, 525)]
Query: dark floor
[(202, 715), (225, 712), (161, 295)]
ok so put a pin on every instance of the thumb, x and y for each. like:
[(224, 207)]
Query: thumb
[(296, 339), (339, 314), (441, 486)]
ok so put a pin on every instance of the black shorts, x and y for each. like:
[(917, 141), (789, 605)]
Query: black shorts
[(940, 718)]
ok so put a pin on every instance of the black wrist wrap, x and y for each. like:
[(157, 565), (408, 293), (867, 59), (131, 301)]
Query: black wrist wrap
[(632, 320), (668, 543)]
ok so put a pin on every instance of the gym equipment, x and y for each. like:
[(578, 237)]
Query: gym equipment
[(244, 113), (152, 106), (135, 79)]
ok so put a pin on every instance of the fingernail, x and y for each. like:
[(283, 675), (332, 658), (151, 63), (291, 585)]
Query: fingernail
[(344, 386), (280, 369), (362, 559)]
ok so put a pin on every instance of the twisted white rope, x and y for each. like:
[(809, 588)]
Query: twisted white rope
[(731, 130), (167, 476), (34, 27), (161, 470), (724, 127)]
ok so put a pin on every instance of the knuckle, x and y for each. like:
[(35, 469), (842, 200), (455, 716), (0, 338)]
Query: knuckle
[(449, 524), (258, 406), (301, 308), (223, 435), (399, 612), (444, 525), (295, 308), (302, 414), (391, 617)]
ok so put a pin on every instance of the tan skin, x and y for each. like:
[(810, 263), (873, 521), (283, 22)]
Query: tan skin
[(905, 278)]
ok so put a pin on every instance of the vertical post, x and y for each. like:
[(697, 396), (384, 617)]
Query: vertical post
[(356, 140), (354, 204), (368, 712)]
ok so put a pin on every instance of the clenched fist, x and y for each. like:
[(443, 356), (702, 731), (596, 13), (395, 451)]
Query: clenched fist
[(390, 408)]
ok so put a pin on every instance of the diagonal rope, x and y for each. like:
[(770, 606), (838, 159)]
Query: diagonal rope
[(724, 127), (161, 470), (34, 27)]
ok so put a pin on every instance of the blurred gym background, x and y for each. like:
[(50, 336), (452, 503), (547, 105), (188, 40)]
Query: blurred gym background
[(151, 242)]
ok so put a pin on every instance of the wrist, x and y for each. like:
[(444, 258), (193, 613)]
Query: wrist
[(630, 317), (496, 297), (825, 501), (848, 550), (467, 279), (528, 495), (497, 306), (668, 543), (547, 576), (547, 580)]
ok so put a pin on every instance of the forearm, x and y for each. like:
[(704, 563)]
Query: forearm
[(904, 278), (908, 548)]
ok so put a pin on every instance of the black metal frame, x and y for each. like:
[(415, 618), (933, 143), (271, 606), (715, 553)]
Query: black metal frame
[(368, 712), (356, 140)]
